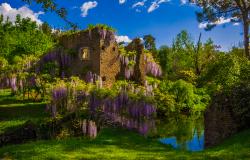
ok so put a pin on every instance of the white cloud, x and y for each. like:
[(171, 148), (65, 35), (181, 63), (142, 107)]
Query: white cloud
[(184, 1), (7, 11), (87, 6), (122, 1), (236, 24), (156, 4), (203, 25), (124, 39), (139, 4), (220, 21)]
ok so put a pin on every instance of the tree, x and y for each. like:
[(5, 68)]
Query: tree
[(235, 10), (51, 5), (149, 43), (182, 52), (22, 38), (46, 28), (186, 59), (164, 58)]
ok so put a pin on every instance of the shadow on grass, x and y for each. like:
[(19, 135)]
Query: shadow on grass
[(15, 112), (27, 111), (13, 100), (6, 98)]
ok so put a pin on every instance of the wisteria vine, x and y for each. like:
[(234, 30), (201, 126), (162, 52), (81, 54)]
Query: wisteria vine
[(129, 107)]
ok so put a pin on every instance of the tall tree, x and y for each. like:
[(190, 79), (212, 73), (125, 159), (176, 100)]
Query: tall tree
[(235, 10), (22, 38), (51, 5), (164, 58), (149, 43)]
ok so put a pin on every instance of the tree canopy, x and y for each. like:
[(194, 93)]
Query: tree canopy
[(213, 11)]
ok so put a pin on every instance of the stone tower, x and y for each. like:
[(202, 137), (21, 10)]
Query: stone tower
[(94, 50)]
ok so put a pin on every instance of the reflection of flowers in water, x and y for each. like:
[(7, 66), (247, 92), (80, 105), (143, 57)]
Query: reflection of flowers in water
[(144, 127)]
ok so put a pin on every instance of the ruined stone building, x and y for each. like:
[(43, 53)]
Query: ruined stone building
[(97, 51)]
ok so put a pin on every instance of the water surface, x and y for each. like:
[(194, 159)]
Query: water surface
[(182, 132)]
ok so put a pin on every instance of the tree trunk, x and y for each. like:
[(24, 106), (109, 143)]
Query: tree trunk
[(197, 50), (246, 36)]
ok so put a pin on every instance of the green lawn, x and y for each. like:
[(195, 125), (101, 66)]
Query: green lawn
[(14, 111), (111, 143)]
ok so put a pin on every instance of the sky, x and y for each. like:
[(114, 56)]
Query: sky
[(163, 19)]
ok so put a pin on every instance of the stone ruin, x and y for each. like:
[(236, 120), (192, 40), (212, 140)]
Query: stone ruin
[(228, 114), (98, 52)]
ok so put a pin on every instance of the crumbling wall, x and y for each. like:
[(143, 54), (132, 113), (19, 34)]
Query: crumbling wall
[(80, 40), (103, 51), (139, 68), (110, 64), (104, 55), (228, 114), (219, 124)]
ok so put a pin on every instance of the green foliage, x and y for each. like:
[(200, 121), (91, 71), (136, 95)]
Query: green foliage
[(184, 93), (180, 96), (126, 53), (164, 58), (14, 111), (101, 26), (188, 75), (185, 60), (237, 11), (226, 71), (23, 38), (239, 98), (244, 71), (3, 64), (149, 43)]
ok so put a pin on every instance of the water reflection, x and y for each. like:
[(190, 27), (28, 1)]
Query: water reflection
[(182, 132)]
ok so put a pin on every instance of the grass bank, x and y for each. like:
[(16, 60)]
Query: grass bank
[(14, 111), (111, 143)]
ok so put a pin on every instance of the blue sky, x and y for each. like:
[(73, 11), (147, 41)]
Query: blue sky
[(164, 19)]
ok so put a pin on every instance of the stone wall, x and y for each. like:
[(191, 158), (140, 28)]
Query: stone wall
[(104, 56), (219, 124), (139, 68), (228, 114), (103, 59), (109, 64)]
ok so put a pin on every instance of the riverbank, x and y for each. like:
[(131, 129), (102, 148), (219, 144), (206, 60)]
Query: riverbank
[(111, 143)]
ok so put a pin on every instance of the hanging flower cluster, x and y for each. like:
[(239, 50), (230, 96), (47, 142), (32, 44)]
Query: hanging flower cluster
[(105, 32), (130, 113), (150, 88), (59, 98), (59, 57), (89, 128), (125, 105), (68, 96), (13, 83), (123, 108), (128, 60), (4, 82), (16, 82), (12, 78), (151, 66), (94, 79)]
